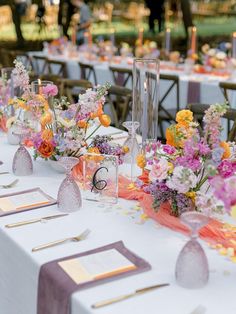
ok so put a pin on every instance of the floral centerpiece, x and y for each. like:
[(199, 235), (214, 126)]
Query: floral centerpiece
[(182, 170), (148, 50)]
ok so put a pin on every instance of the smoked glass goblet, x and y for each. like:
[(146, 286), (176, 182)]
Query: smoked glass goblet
[(22, 162), (69, 197), (192, 270)]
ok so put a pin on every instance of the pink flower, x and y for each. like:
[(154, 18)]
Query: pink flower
[(226, 168), (50, 90), (159, 170), (169, 149)]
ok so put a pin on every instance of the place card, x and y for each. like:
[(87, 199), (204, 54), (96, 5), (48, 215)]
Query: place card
[(96, 266), (24, 200)]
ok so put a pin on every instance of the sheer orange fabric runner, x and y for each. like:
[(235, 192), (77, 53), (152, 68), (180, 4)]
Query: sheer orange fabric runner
[(216, 233), (3, 122)]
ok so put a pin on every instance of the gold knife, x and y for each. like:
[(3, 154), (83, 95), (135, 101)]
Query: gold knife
[(32, 221), (127, 296)]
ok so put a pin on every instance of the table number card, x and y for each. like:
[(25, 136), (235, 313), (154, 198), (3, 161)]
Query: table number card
[(100, 177), (97, 266), (25, 200)]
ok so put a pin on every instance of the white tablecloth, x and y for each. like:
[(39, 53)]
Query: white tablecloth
[(19, 267)]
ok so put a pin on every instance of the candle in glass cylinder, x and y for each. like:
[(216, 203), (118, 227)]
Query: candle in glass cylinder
[(40, 89), (90, 38), (167, 40), (140, 36), (112, 36), (86, 38), (73, 35), (193, 40), (234, 45)]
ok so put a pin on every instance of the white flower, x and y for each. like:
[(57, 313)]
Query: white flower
[(10, 122), (182, 180), (159, 170), (211, 52), (66, 123), (221, 55)]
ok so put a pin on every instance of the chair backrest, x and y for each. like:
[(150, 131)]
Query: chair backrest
[(87, 71), (57, 67), (226, 87), (40, 65), (198, 111), (121, 76), (119, 98), (174, 84), (72, 88)]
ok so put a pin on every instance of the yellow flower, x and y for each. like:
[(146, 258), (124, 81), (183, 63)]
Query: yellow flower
[(46, 119), (226, 148), (171, 167), (184, 117), (191, 195), (125, 149), (141, 161)]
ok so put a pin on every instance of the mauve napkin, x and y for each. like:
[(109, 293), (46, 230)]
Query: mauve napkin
[(55, 287), (194, 92)]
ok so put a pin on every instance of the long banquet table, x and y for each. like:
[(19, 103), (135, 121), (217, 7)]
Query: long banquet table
[(209, 84), (19, 267)]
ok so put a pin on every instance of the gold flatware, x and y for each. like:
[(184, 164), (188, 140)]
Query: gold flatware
[(10, 185), (32, 221), (78, 238), (127, 296)]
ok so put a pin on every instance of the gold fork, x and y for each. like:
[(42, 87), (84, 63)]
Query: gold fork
[(78, 238), (10, 185)]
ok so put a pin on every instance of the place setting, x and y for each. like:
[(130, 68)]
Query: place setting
[(118, 157)]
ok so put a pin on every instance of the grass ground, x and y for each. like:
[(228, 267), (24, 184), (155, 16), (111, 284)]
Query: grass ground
[(217, 28)]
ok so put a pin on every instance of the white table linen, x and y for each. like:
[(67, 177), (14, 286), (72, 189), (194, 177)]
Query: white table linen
[(19, 267)]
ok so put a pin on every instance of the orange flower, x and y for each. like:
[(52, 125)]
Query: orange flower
[(47, 135), (82, 124), (170, 139), (125, 149), (105, 120), (98, 113), (46, 149), (184, 117), (226, 148), (46, 119)]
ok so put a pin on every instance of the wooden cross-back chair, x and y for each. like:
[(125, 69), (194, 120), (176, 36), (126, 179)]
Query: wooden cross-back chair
[(40, 65), (72, 88), (198, 111), (226, 88), (119, 98), (122, 76), (57, 67), (88, 72)]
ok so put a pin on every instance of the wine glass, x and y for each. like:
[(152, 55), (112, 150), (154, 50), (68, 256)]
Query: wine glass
[(69, 197), (22, 162), (192, 266)]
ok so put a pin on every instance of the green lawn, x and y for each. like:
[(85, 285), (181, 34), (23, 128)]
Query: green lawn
[(206, 28)]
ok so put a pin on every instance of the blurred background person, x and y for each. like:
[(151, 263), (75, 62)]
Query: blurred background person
[(66, 10), (85, 19), (18, 8), (156, 8)]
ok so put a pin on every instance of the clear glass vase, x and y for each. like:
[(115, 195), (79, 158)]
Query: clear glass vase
[(146, 97), (192, 270), (22, 162), (69, 197)]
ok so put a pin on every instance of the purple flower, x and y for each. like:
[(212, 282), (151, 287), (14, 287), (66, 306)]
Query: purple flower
[(50, 90)]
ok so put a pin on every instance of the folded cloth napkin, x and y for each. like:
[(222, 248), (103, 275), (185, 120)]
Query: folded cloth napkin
[(55, 287), (194, 92)]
